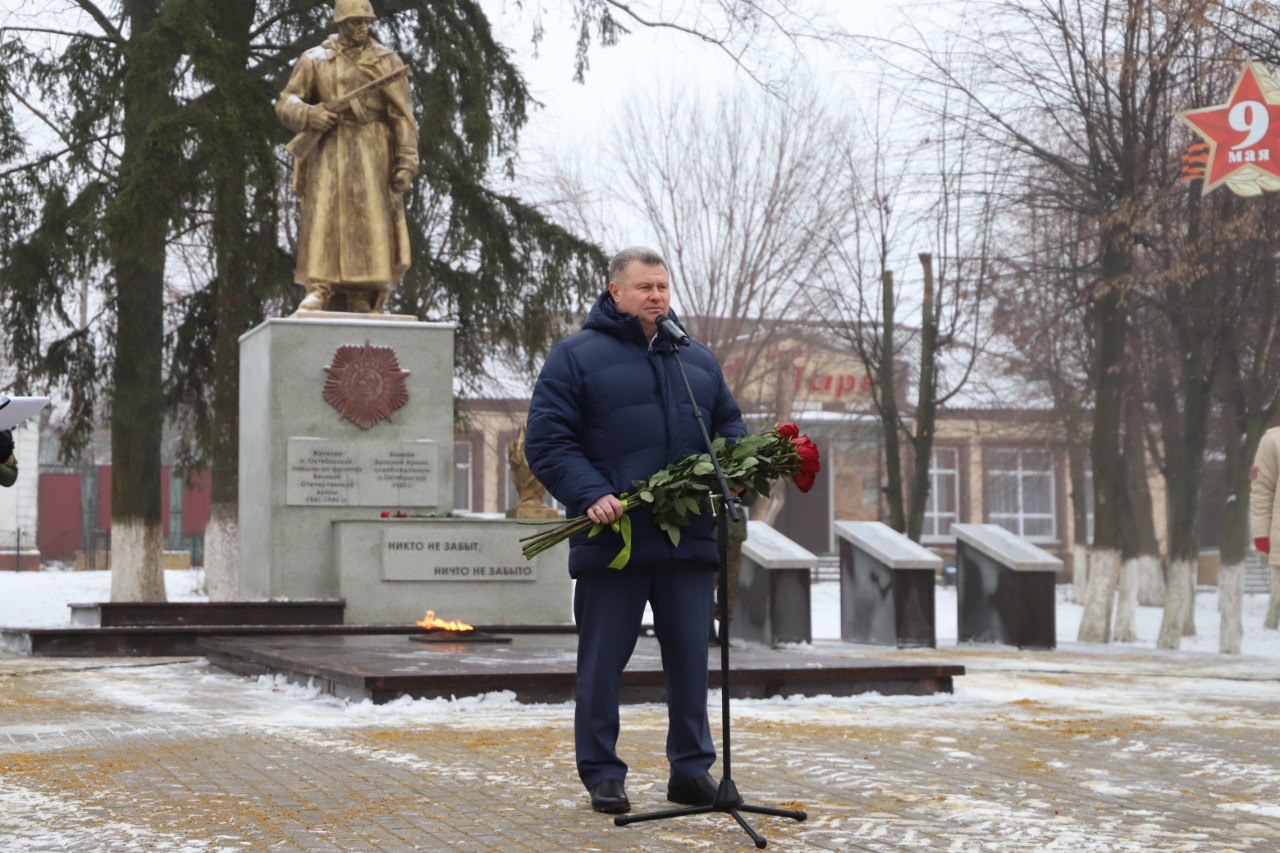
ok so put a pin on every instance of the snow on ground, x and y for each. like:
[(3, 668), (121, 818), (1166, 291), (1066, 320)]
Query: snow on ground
[(40, 599)]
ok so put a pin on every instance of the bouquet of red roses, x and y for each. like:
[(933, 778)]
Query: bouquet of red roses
[(685, 488)]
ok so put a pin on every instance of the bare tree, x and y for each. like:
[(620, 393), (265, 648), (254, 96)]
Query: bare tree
[(1038, 316), (1249, 391), (1076, 91), (949, 192), (745, 200)]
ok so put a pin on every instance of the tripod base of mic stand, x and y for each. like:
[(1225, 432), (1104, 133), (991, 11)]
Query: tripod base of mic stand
[(728, 801)]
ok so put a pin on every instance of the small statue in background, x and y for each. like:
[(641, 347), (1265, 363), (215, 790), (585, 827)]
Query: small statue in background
[(531, 492)]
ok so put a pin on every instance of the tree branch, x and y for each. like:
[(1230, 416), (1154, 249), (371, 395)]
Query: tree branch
[(101, 18), (35, 164), (50, 124), (52, 32)]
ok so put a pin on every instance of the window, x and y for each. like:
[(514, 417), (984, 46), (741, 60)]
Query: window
[(1020, 492), (1088, 502), (176, 487), (942, 509), (511, 492), (462, 475)]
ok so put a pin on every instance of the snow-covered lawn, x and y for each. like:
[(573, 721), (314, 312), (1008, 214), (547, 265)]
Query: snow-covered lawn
[(40, 599)]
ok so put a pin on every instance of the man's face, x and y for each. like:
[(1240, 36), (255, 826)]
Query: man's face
[(644, 292), (354, 31)]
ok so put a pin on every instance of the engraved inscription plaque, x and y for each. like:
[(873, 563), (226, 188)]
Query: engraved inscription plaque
[(384, 474), (401, 474), (452, 551), (322, 473)]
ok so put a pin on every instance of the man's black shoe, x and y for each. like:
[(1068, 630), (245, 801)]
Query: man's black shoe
[(610, 797), (696, 792)]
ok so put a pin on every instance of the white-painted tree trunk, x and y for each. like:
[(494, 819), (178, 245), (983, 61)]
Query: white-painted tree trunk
[(1150, 582), (222, 553), (1079, 573), (137, 570), (1230, 604), (1273, 608), (1177, 602), (1095, 622), (1126, 630), (1189, 617)]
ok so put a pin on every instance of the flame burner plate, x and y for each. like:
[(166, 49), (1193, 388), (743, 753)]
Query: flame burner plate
[(439, 635)]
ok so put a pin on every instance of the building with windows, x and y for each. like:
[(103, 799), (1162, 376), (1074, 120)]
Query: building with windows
[(1007, 467), (1000, 464), (75, 504)]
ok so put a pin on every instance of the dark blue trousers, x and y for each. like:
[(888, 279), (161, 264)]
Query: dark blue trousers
[(608, 606)]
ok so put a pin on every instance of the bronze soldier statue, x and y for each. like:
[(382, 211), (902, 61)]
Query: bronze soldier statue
[(355, 153)]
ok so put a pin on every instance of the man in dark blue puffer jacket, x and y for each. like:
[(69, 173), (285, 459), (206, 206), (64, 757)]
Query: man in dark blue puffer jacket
[(609, 408)]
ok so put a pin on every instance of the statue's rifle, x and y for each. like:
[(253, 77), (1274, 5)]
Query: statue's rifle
[(305, 142)]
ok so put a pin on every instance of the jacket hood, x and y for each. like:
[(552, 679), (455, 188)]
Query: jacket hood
[(605, 317)]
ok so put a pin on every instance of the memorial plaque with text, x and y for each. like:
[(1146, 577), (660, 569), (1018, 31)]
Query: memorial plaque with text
[(322, 473), (367, 473), (444, 551)]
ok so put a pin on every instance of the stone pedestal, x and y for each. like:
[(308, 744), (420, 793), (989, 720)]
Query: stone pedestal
[(303, 465), (391, 571)]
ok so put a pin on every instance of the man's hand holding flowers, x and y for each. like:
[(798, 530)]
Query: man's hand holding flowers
[(687, 487)]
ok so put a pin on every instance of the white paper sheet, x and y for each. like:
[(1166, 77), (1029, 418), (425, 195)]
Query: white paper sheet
[(15, 410)]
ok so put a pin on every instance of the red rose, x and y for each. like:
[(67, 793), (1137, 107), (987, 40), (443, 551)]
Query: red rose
[(808, 452), (804, 482), (788, 430)]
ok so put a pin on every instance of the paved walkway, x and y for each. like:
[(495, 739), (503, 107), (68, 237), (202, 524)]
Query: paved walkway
[(1079, 749)]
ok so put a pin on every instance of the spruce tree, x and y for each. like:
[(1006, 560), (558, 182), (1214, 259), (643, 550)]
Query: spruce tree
[(164, 113)]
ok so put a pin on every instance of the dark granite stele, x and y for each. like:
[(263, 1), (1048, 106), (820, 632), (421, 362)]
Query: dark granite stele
[(540, 668)]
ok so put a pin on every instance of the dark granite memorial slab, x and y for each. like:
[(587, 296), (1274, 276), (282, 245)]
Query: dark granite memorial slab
[(540, 668), (771, 596), (884, 606), (1005, 589), (886, 587)]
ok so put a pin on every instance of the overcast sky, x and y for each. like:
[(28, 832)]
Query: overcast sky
[(648, 61), (578, 122)]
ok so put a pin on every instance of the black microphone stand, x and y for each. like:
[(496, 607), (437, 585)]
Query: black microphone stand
[(727, 800)]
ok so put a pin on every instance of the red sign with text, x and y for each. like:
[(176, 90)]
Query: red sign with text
[(1243, 135)]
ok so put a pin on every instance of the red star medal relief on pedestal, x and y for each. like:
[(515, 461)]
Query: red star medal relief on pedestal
[(365, 384), (1243, 135)]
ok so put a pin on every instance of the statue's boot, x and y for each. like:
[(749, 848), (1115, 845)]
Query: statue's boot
[(358, 301), (318, 295)]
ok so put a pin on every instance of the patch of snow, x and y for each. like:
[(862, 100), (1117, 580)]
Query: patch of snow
[(40, 599)]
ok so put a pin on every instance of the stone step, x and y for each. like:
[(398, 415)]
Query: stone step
[(828, 568), (1257, 577), (117, 614), (183, 640), (541, 669)]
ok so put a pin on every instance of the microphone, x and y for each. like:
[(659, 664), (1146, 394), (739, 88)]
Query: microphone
[(674, 333)]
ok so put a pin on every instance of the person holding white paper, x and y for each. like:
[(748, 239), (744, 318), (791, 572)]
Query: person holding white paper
[(9, 467), (13, 411)]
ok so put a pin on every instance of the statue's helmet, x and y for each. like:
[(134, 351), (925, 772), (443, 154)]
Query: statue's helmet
[(344, 9)]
